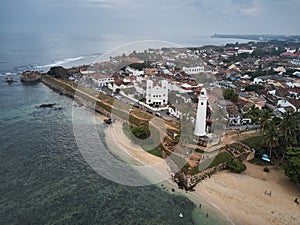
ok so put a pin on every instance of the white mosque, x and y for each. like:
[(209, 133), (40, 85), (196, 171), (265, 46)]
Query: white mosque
[(157, 93)]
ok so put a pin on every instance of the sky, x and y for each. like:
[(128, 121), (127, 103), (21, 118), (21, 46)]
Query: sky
[(151, 18)]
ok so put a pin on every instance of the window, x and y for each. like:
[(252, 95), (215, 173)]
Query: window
[(202, 103)]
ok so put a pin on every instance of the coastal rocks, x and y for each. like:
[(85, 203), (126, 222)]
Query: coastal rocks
[(47, 105), (9, 80), (50, 106), (30, 76)]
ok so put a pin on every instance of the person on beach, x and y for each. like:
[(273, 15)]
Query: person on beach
[(296, 201)]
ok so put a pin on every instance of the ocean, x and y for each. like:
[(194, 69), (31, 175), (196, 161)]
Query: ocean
[(44, 179)]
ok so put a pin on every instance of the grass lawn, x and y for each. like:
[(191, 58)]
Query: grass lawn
[(155, 152), (257, 143), (220, 158), (259, 162)]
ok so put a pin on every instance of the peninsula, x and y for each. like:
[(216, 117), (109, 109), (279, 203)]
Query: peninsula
[(250, 124)]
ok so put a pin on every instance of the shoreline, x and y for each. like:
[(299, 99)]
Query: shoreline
[(239, 198), (112, 137)]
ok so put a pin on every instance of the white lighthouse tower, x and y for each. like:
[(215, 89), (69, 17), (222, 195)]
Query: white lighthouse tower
[(200, 126)]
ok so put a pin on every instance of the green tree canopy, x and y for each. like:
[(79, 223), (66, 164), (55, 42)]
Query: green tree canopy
[(230, 94), (292, 169)]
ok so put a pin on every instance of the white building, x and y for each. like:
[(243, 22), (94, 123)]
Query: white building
[(193, 70), (281, 104), (240, 51), (200, 125), (157, 94), (134, 72), (101, 82)]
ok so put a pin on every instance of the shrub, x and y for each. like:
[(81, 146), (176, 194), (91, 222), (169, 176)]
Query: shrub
[(141, 132), (266, 169), (236, 166)]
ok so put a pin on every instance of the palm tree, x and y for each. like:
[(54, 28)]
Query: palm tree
[(288, 129), (265, 119), (254, 114), (271, 136)]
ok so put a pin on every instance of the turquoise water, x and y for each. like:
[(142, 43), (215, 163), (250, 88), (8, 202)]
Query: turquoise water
[(45, 180)]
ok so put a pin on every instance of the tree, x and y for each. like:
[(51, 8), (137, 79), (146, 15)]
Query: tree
[(265, 118), (288, 129), (236, 166), (253, 87), (141, 132), (271, 136), (231, 94), (254, 114), (292, 169)]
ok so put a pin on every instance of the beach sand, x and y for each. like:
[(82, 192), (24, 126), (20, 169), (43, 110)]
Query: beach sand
[(242, 196), (239, 197)]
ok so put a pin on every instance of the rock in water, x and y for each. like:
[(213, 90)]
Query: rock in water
[(9, 80), (31, 76), (47, 105)]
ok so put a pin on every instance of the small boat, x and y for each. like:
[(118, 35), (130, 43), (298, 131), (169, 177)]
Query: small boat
[(180, 215)]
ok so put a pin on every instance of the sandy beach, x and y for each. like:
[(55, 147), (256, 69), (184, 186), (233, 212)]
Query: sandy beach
[(240, 197)]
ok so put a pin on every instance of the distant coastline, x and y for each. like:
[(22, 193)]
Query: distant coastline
[(259, 37)]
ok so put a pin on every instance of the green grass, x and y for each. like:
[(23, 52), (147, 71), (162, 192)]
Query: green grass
[(220, 158), (237, 147), (259, 162), (155, 152), (257, 143), (199, 150)]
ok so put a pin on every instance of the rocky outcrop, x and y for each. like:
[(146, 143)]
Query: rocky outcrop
[(31, 76), (59, 72)]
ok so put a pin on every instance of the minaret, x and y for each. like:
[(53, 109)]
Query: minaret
[(200, 126)]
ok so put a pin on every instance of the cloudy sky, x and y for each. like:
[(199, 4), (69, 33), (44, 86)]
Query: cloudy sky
[(151, 18)]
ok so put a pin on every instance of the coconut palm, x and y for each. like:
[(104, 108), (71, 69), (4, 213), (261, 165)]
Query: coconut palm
[(271, 136), (254, 114), (288, 129), (265, 118)]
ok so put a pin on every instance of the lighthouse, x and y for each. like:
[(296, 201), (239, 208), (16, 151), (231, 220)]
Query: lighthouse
[(200, 125)]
